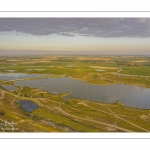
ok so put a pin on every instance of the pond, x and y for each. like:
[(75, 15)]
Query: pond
[(132, 96), (14, 76), (9, 87), (28, 105)]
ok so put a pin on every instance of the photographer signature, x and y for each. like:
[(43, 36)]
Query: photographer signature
[(10, 123)]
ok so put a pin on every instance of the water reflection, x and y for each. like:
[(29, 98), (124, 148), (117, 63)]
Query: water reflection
[(9, 87), (132, 96), (13, 76), (28, 105)]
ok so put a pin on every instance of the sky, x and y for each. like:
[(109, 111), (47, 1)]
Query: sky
[(103, 35)]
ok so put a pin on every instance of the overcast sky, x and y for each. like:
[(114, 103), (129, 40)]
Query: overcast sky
[(118, 35)]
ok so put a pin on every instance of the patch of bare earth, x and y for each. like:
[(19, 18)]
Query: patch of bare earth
[(99, 67), (50, 58), (140, 61), (91, 58)]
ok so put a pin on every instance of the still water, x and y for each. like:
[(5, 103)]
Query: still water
[(28, 105), (132, 96), (10, 70), (14, 76), (9, 87)]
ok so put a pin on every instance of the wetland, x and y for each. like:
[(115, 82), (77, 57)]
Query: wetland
[(76, 93)]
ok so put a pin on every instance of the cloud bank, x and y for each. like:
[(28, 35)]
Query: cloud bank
[(91, 27)]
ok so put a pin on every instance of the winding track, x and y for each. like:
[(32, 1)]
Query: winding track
[(54, 109), (86, 119), (2, 93), (114, 114)]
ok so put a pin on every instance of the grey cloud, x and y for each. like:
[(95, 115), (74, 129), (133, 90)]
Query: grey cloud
[(97, 27)]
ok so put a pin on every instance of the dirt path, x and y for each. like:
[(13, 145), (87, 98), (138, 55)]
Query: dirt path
[(118, 116), (67, 114), (20, 90), (37, 92), (47, 100), (76, 117), (2, 93), (126, 120), (12, 102), (12, 94), (112, 113)]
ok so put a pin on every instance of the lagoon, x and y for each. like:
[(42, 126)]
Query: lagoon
[(132, 96)]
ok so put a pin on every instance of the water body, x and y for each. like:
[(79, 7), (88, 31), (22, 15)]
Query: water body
[(132, 96), (120, 74), (28, 105), (36, 69), (10, 70), (14, 76), (9, 87)]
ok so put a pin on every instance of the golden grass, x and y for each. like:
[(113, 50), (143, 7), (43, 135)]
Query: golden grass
[(111, 68), (91, 58), (140, 61)]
